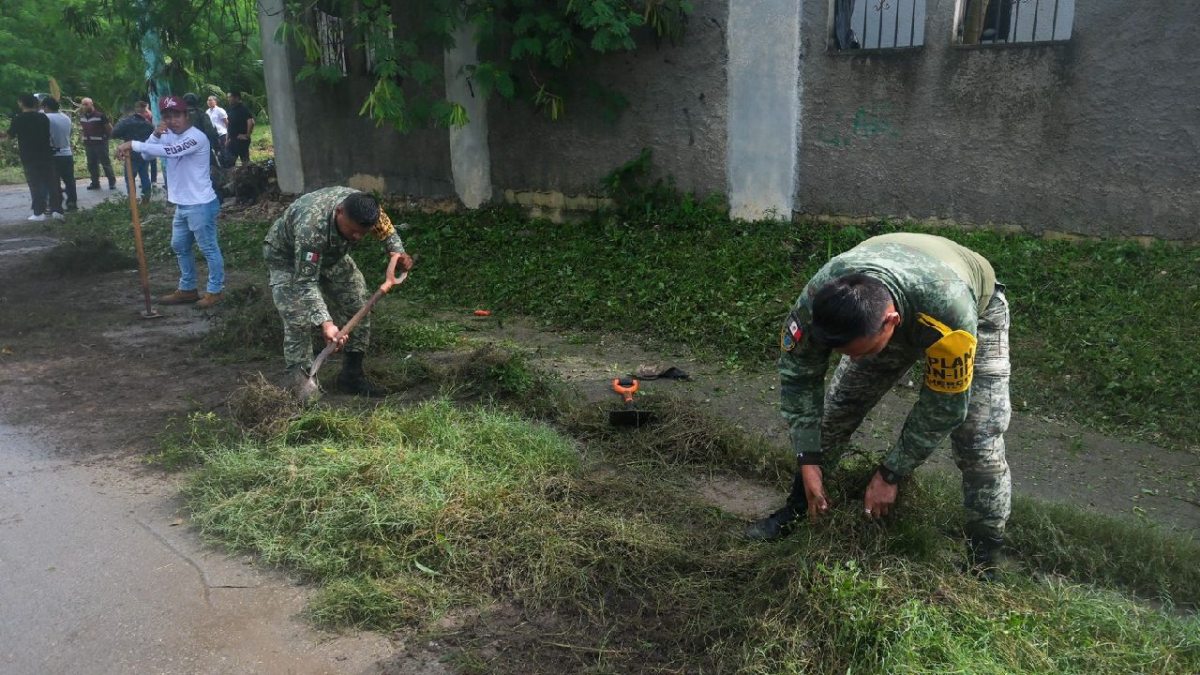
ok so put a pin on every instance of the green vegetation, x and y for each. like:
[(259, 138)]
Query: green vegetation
[(539, 51), (405, 515), (490, 490), (1102, 330)]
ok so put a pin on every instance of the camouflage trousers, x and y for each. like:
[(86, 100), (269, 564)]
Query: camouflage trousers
[(977, 444), (345, 291)]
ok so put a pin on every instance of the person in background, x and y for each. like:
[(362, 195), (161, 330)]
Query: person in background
[(143, 108), (134, 127), (241, 127), (32, 131), (220, 120), (64, 159), (95, 128)]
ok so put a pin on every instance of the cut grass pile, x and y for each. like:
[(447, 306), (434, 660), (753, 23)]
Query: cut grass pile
[(408, 515)]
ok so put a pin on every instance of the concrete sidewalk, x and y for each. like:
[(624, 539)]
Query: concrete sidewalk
[(102, 575)]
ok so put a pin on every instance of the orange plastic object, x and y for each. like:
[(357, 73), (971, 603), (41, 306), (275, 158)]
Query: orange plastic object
[(482, 312), (625, 388)]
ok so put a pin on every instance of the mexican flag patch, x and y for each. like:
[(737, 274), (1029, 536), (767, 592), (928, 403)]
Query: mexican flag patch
[(791, 335), (312, 256)]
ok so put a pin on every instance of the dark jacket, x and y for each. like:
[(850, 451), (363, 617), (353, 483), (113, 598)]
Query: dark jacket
[(133, 127)]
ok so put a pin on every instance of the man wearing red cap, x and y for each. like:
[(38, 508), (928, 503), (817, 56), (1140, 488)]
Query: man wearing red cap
[(185, 150)]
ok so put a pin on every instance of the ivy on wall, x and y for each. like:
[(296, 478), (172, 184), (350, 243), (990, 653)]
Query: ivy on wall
[(531, 50)]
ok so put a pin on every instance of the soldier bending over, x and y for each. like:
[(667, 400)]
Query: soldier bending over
[(306, 251), (883, 305)]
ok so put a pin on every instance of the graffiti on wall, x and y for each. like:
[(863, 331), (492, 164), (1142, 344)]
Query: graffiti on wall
[(867, 123)]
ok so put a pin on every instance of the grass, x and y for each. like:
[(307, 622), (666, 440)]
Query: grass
[(1102, 331), (407, 515)]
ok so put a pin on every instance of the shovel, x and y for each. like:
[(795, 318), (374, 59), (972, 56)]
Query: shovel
[(309, 387), (629, 416)]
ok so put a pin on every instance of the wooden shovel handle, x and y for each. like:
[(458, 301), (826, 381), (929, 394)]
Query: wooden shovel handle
[(358, 316)]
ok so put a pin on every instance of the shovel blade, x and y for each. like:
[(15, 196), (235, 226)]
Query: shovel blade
[(307, 391), (630, 418)]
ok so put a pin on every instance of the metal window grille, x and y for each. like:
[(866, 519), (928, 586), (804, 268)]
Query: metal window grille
[(331, 38), (988, 22), (878, 24), (372, 57)]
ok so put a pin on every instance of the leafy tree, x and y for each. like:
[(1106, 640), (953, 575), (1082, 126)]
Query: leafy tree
[(34, 47), (207, 46)]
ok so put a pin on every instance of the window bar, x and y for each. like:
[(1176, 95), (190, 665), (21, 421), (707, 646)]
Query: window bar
[(1016, 20), (879, 27), (1054, 23), (896, 27), (996, 22), (1036, 7), (912, 29)]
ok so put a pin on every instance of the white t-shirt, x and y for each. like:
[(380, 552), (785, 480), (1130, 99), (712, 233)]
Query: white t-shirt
[(219, 119), (187, 164), (60, 133)]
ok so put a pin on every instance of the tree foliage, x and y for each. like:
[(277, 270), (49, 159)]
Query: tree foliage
[(34, 48), (534, 50), (94, 47)]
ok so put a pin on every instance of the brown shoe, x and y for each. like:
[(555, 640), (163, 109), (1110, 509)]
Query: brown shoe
[(179, 297), (208, 300)]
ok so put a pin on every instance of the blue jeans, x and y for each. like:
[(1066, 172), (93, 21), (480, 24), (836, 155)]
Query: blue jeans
[(142, 168), (197, 224)]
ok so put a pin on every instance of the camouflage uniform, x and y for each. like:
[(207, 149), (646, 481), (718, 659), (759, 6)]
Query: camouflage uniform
[(306, 255), (953, 315)]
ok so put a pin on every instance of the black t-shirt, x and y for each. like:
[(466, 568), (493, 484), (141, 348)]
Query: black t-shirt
[(32, 130), (239, 115)]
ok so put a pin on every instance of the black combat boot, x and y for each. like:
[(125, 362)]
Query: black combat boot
[(781, 523), (985, 554), (352, 379)]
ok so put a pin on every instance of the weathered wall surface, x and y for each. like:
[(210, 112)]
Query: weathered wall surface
[(1100, 135), (340, 145), (676, 107)]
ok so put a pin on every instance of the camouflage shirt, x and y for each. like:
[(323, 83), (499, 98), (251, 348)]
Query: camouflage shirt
[(305, 241), (939, 289)]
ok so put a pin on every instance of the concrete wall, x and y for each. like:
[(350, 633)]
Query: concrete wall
[(1099, 135), (764, 108), (676, 107), (341, 147), (1096, 135)]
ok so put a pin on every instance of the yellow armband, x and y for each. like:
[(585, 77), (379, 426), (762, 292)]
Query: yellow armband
[(949, 362), (383, 229)]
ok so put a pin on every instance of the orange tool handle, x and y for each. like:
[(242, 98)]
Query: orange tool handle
[(625, 387)]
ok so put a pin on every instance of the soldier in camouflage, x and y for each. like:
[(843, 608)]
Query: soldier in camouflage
[(883, 305), (306, 251)]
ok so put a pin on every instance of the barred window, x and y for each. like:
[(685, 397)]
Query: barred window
[(372, 51), (331, 40), (989, 22), (878, 24)]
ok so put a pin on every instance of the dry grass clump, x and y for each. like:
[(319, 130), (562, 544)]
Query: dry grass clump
[(262, 409), (87, 256)]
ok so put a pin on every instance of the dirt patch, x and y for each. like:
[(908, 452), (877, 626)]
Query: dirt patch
[(743, 498)]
